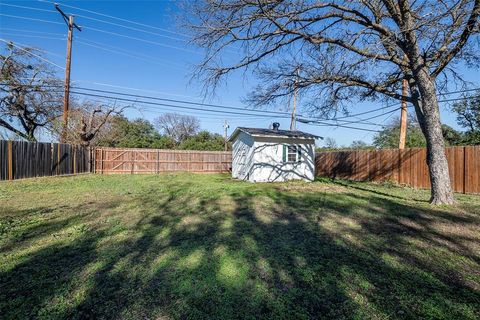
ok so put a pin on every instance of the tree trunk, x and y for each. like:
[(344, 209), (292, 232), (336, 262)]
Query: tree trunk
[(429, 118)]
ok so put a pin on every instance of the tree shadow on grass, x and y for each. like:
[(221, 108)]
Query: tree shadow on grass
[(255, 253), (374, 270), (371, 188), (35, 223)]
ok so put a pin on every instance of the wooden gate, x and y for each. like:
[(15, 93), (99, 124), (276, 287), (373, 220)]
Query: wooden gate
[(130, 160)]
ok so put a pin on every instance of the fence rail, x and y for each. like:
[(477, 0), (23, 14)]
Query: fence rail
[(406, 166), (129, 160), (22, 159)]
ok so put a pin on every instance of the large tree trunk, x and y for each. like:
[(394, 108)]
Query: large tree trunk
[(429, 118)]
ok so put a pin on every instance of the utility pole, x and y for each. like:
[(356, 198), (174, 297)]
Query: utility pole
[(403, 116), (294, 110), (66, 98), (226, 126)]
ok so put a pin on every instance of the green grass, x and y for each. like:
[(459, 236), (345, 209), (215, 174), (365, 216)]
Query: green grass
[(204, 246)]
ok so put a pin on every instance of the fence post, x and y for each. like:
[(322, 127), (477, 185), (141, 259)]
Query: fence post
[(220, 163), (90, 167), (464, 169), (58, 159), (93, 160), (74, 159), (101, 161), (10, 159), (133, 156), (189, 164)]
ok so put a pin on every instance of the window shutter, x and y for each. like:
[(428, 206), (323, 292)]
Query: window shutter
[(299, 150), (284, 153)]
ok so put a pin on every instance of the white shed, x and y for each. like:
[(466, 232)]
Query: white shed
[(268, 155)]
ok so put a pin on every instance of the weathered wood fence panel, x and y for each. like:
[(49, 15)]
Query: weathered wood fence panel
[(22, 159), (130, 160), (408, 166)]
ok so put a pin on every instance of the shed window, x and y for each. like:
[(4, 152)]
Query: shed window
[(291, 153)]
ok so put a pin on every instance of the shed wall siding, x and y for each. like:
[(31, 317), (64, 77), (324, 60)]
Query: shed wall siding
[(242, 156), (268, 165)]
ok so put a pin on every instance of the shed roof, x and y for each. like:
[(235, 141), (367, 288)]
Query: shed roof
[(273, 133)]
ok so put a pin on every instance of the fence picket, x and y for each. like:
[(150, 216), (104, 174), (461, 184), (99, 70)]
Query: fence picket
[(24, 159), (406, 166), (113, 160)]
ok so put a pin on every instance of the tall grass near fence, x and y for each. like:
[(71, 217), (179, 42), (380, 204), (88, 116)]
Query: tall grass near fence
[(22, 159)]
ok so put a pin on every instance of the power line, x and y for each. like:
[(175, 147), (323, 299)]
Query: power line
[(356, 115), (127, 54), (25, 7), (136, 89), (229, 107), (173, 106), (130, 28), (180, 101), (323, 124), (326, 124), (132, 89), (120, 19), (342, 125), (30, 36), (98, 20), (381, 123), (219, 106), (31, 19), (458, 99), (223, 106), (378, 116), (146, 56), (33, 31), (364, 121), (393, 105), (362, 113), (33, 54), (458, 91), (151, 105), (140, 39), (41, 50), (205, 115), (119, 25)]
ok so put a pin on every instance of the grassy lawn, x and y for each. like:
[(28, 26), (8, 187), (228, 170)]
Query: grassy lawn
[(204, 246)]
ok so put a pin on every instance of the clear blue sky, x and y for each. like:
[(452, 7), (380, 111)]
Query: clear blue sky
[(157, 63)]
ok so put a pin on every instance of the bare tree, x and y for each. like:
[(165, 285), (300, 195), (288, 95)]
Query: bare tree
[(344, 50), (30, 93), (330, 143), (87, 122), (176, 126)]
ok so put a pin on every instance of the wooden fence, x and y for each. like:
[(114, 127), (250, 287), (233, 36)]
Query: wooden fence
[(116, 160), (406, 166), (22, 159)]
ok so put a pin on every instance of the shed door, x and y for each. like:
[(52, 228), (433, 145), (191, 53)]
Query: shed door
[(242, 159)]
